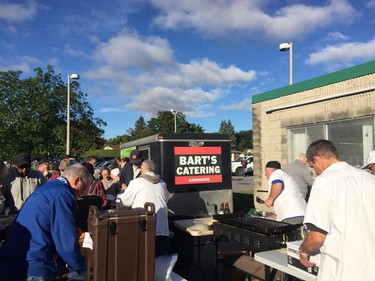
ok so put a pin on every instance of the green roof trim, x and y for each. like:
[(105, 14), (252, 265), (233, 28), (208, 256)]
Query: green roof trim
[(331, 78)]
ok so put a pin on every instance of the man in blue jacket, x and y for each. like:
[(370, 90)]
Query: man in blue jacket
[(43, 238)]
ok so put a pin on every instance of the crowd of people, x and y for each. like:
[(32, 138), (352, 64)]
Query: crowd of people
[(336, 207), (41, 243)]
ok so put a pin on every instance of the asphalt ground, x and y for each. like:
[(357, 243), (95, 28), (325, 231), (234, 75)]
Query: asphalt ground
[(242, 184)]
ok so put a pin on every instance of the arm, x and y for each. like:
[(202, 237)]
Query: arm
[(311, 243), (308, 175), (63, 230), (275, 191), (127, 197)]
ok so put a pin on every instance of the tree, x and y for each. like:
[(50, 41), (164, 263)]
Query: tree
[(164, 122), (226, 127), (140, 129), (33, 116), (244, 140), (118, 139)]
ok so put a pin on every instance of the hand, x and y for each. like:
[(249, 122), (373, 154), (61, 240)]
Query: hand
[(76, 276), (268, 202), (304, 259)]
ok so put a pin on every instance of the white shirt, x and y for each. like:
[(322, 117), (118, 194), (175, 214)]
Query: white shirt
[(141, 191), (342, 202), (290, 202)]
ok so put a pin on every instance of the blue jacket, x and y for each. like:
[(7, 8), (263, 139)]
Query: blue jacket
[(44, 234)]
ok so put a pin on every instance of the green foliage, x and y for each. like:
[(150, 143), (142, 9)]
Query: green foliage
[(33, 116), (118, 140), (164, 122), (244, 140), (102, 153)]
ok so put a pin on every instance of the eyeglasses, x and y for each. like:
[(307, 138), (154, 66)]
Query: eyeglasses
[(83, 183)]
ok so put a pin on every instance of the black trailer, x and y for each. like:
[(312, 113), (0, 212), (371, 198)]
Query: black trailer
[(195, 166)]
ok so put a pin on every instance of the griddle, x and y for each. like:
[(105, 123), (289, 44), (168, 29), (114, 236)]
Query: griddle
[(256, 224), (254, 234)]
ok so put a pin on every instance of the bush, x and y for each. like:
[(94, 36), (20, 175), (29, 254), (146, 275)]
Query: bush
[(102, 153)]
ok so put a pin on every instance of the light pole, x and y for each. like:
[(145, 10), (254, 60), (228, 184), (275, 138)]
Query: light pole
[(175, 119), (288, 47), (70, 76)]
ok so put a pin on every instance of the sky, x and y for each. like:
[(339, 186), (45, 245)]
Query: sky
[(203, 58)]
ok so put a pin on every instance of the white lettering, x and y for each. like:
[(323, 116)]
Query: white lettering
[(182, 160), (201, 170)]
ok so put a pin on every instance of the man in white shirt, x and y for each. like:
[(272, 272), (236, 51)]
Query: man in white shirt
[(148, 187), (284, 195), (339, 217)]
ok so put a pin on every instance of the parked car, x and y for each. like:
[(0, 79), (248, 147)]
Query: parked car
[(236, 165)]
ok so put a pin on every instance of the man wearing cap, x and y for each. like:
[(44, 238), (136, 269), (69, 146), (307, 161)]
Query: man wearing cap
[(370, 163), (132, 169), (20, 182), (284, 195), (43, 167)]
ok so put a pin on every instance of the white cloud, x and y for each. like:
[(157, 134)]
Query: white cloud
[(244, 105), (17, 12), (370, 4), (335, 36), (143, 70), (189, 101), (26, 64), (127, 50), (343, 53), (110, 109), (250, 17)]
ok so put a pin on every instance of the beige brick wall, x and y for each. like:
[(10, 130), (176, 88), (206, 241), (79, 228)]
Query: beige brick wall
[(270, 130)]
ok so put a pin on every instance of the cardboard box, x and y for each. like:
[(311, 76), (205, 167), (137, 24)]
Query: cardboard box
[(293, 258)]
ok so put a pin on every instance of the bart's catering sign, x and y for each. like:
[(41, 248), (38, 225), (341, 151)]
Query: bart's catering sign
[(198, 165)]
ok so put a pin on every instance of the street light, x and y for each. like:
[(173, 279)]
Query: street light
[(175, 121), (288, 47), (70, 76)]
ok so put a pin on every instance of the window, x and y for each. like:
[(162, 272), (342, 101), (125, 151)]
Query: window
[(353, 138)]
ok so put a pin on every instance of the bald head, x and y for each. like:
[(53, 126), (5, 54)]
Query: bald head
[(302, 157)]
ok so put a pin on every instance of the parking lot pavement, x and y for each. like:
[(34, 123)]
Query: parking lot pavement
[(242, 184)]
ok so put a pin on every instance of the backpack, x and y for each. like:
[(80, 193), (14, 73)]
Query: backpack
[(97, 188)]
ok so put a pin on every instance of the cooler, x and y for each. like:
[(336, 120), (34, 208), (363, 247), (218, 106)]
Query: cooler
[(123, 244), (293, 258)]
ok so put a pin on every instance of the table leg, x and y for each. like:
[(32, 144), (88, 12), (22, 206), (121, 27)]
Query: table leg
[(269, 274)]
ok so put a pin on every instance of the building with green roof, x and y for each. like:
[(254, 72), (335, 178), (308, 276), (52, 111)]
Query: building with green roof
[(338, 106)]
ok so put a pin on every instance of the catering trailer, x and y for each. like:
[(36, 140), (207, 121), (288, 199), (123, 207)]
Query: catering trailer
[(195, 166)]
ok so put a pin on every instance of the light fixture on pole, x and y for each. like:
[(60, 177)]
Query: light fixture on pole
[(288, 47), (174, 112), (70, 76)]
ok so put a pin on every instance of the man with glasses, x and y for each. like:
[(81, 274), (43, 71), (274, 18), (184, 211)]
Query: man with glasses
[(43, 238), (20, 182)]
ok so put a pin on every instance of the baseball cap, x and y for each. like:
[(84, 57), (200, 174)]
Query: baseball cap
[(135, 157), (370, 159), (273, 164), (22, 159)]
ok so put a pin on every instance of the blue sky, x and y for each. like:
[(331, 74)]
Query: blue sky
[(204, 58)]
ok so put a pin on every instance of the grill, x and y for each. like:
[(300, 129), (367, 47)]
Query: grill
[(254, 234)]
